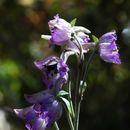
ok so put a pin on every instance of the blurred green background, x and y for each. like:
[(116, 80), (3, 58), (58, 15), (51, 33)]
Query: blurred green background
[(106, 104)]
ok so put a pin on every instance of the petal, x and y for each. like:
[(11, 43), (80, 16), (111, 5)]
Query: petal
[(46, 37), (112, 58), (59, 23), (22, 112), (50, 60), (108, 37), (38, 97), (81, 29), (35, 122), (55, 112), (59, 37)]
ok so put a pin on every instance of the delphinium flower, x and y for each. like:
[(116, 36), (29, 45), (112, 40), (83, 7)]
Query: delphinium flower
[(108, 48), (75, 39), (55, 71), (43, 113)]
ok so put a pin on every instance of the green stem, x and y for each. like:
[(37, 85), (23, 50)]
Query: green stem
[(77, 97), (70, 122), (77, 116), (87, 66), (69, 118), (56, 126), (80, 96), (80, 47), (77, 88), (70, 97)]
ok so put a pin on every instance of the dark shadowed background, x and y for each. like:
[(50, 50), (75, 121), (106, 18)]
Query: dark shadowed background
[(106, 104)]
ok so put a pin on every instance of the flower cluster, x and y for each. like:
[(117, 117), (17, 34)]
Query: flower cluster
[(45, 109)]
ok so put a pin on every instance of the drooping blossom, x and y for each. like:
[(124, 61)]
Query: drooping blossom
[(108, 49), (55, 71), (43, 113)]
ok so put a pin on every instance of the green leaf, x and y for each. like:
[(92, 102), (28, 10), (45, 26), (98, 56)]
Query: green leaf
[(62, 93), (67, 103), (73, 22), (95, 39)]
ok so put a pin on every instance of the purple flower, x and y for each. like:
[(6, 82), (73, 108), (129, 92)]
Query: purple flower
[(108, 49), (43, 113), (55, 71), (60, 31), (45, 102)]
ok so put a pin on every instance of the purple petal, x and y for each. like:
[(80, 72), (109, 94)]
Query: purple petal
[(59, 37), (108, 37), (34, 122), (22, 112), (50, 60), (38, 97), (62, 68), (54, 113), (60, 31)]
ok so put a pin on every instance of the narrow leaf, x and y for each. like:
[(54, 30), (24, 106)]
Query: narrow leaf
[(67, 103)]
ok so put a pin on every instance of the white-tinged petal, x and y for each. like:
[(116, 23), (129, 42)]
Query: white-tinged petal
[(65, 55), (46, 37), (81, 29)]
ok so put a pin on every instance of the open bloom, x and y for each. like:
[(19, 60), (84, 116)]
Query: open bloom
[(108, 49), (43, 113), (55, 71)]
